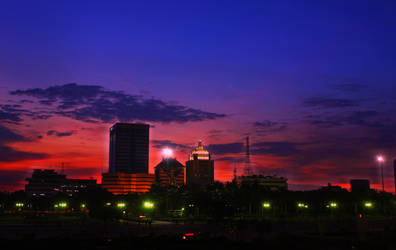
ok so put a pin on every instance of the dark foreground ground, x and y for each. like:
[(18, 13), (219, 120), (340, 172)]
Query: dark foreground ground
[(220, 235)]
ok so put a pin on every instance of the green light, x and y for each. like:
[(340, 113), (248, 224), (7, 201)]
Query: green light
[(368, 204), (148, 204), (19, 204), (302, 205), (332, 205), (266, 205), (121, 205), (62, 204)]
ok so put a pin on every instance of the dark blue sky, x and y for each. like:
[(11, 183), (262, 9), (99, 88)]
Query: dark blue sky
[(305, 72)]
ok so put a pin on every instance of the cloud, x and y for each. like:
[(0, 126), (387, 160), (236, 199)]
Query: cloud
[(348, 87), (12, 179), (6, 135), (92, 103), (13, 113), (265, 124), (227, 148), (329, 103), (268, 126), (9, 154), (60, 134), (231, 159), (368, 118), (166, 143), (275, 148)]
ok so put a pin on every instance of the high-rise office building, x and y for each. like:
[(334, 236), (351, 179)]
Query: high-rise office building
[(199, 168), (129, 148)]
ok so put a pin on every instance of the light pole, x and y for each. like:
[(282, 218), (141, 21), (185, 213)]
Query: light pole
[(380, 160)]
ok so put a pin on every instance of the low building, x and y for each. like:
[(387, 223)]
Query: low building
[(273, 183), (124, 183), (47, 182), (73, 186), (360, 185), (169, 172)]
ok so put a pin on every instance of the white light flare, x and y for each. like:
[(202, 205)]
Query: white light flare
[(167, 153), (380, 158)]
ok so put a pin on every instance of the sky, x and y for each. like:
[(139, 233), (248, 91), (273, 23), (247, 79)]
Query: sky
[(310, 83)]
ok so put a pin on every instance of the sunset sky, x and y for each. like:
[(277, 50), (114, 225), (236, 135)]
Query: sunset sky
[(311, 84)]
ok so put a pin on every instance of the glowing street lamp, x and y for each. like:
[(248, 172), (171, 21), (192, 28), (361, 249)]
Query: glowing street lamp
[(19, 204), (266, 205), (167, 153), (148, 205), (121, 205), (61, 205), (381, 160), (368, 204), (302, 205), (333, 205)]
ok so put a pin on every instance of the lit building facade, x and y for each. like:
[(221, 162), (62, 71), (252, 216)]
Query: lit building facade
[(272, 183), (129, 148), (199, 167), (124, 183), (169, 172)]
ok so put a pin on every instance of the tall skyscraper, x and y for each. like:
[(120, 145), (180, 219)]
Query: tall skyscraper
[(199, 168), (129, 148)]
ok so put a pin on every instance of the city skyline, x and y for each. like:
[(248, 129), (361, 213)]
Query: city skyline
[(309, 83)]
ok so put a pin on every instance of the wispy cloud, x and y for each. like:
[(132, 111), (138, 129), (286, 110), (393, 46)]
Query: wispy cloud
[(93, 103)]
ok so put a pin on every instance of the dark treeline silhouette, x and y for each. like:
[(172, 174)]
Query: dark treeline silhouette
[(216, 202)]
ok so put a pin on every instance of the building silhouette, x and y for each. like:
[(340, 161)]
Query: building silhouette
[(272, 183), (360, 185), (169, 172), (199, 167), (129, 148), (48, 183), (128, 160)]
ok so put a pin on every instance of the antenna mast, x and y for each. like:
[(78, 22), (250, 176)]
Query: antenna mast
[(247, 170), (235, 171)]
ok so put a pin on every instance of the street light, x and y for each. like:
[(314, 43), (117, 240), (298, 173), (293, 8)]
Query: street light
[(381, 160), (332, 205), (61, 205), (148, 205), (19, 204), (368, 204), (266, 205), (121, 205), (302, 205)]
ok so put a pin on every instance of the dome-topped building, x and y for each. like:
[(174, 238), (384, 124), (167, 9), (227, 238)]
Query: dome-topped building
[(200, 153), (199, 167)]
